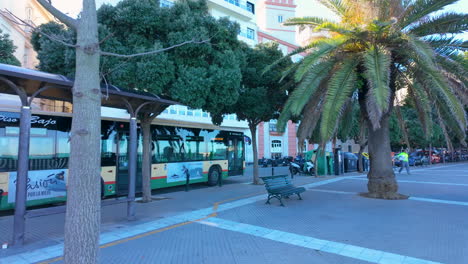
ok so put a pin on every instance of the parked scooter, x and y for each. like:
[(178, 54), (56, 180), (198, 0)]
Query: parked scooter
[(263, 162), (301, 166)]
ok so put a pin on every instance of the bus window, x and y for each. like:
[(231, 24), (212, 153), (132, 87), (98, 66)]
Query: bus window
[(42, 147), (108, 149), (168, 149), (218, 149), (195, 146), (8, 151), (63, 146)]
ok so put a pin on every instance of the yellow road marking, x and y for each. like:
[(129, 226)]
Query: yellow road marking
[(214, 214)]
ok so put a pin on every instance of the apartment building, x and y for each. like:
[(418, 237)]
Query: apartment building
[(260, 21), (34, 14)]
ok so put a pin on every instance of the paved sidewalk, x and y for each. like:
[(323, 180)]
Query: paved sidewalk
[(233, 225)]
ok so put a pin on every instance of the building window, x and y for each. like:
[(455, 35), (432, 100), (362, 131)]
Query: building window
[(280, 19), (350, 149), (250, 33), (250, 7), (172, 110), (272, 125), (276, 146), (182, 110)]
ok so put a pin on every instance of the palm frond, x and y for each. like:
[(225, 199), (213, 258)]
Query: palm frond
[(423, 106), (377, 73), (336, 6), (444, 131), (311, 115), (310, 84), (453, 42), (421, 8), (402, 125), (447, 23), (288, 71), (312, 22), (333, 27), (447, 45), (311, 45), (449, 120), (323, 48), (347, 121), (446, 100), (453, 67), (423, 52), (340, 88)]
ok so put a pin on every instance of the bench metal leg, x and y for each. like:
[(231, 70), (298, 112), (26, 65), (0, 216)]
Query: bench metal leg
[(298, 194), (281, 201)]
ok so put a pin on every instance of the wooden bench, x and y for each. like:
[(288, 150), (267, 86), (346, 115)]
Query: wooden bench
[(280, 186)]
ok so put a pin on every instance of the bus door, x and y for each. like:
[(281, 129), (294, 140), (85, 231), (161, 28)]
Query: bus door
[(123, 151), (235, 155)]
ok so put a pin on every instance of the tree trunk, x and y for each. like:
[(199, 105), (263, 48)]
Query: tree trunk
[(146, 163), (253, 131), (83, 214), (360, 156), (362, 144), (382, 183)]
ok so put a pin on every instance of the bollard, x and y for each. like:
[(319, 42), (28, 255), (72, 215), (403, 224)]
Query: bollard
[(187, 179), (272, 171)]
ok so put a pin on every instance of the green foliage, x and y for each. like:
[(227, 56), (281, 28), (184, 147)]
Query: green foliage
[(203, 75), (261, 96), (448, 23), (7, 49), (377, 72), (415, 131), (394, 45), (340, 87)]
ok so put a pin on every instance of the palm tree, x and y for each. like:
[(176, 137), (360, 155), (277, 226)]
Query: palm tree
[(377, 48)]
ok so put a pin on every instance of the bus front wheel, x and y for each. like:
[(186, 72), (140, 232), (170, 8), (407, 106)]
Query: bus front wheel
[(213, 176)]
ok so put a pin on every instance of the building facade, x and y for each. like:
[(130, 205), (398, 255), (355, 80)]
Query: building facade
[(34, 14), (260, 21)]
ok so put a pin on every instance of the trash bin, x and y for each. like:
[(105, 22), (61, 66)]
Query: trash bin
[(338, 161), (350, 162)]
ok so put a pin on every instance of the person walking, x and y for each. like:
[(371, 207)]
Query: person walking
[(404, 159)]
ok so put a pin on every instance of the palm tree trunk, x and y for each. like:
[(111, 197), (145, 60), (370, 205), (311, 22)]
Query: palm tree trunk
[(253, 131), (382, 183)]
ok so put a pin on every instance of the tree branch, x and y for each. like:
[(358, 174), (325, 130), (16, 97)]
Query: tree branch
[(73, 23), (27, 24), (153, 51)]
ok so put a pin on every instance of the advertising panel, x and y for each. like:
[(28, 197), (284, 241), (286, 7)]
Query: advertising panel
[(41, 184), (177, 171)]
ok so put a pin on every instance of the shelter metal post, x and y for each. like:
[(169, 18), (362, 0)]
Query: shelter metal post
[(132, 166), (19, 221)]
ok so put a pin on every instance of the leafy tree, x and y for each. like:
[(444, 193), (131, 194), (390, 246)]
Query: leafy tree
[(7, 49), (203, 76), (218, 68), (260, 96), (377, 48)]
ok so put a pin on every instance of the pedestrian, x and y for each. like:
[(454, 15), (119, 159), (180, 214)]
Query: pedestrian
[(404, 159)]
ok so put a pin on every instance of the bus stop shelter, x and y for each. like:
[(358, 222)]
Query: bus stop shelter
[(31, 84)]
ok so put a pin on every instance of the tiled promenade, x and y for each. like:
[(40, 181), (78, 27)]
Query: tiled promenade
[(232, 224)]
